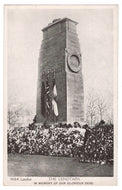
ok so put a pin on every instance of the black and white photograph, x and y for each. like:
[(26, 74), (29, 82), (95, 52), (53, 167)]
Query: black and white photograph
[(60, 94)]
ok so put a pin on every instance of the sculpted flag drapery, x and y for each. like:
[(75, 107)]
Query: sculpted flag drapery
[(43, 112), (54, 103), (47, 94), (45, 99)]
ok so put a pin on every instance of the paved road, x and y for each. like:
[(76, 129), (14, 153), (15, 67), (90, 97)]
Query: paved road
[(45, 166)]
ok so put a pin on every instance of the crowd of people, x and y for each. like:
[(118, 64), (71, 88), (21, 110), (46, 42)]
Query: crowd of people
[(71, 140)]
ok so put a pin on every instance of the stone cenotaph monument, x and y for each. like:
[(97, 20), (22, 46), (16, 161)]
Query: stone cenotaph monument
[(60, 95)]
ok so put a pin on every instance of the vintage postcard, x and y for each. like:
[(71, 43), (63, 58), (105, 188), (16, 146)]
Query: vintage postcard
[(60, 94)]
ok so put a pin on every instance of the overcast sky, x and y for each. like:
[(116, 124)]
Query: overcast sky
[(24, 36)]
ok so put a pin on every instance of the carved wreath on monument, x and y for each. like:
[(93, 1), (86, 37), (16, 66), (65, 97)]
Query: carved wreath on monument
[(73, 60)]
